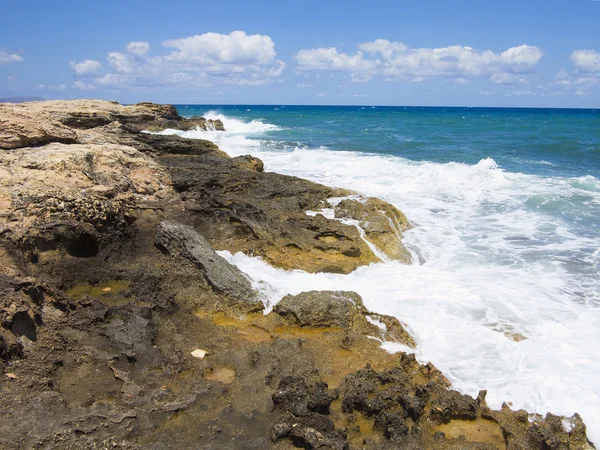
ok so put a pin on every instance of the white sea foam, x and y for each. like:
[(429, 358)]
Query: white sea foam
[(494, 258)]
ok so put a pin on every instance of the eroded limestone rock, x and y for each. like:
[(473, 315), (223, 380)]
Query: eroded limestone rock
[(70, 121), (342, 309), (77, 197)]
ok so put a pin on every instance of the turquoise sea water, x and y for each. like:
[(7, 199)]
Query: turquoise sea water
[(506, 208), (552, 142)]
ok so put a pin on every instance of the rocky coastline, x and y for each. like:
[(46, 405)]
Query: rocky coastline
[(120, 327)]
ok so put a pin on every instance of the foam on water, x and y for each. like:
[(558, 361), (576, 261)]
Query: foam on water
[(499, 255)]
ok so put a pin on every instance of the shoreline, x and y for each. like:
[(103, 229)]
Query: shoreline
[(89, 219)]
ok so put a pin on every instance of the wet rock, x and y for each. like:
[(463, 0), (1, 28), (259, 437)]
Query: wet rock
[(303, 409), (383, 224), (171, 144), (321, 308), (452, 405), (343, 309), (299, 397), (264, 214), (183, 241), (183, 124)]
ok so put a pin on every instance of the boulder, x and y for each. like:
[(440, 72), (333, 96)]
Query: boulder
[(340, 309), (249, 163), (321, 308), (183, 241)]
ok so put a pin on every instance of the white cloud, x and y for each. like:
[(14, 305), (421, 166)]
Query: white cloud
[(386, 48), (120, 62), (330, 59), (194, 62), (582, 84), (138, 48), (304, 85), (586, 60), (87, 67), (322, 94), (214, 48), (396, 61), (6, 57)]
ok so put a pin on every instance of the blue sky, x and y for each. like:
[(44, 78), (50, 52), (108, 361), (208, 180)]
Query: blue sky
[(432, 52)]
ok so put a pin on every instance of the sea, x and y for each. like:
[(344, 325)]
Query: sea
[(503, 292)]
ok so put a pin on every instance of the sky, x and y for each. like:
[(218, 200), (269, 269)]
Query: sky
[(426, 52)]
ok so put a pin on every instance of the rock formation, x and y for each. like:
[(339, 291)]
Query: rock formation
[(342, 309), (109, 284)]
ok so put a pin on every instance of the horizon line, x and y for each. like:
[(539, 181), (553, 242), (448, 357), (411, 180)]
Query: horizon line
[(379, 106)]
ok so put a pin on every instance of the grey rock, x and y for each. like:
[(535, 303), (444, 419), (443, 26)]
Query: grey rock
[(321, 308), (343, 309), (183, 241)]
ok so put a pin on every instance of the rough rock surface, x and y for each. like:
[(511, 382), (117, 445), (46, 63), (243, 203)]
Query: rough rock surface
[(77, 197), (98, 326), (232, 201), (383, 224), (185, 242), (28, 124), (395, 409), (264, 214), (342, 309)]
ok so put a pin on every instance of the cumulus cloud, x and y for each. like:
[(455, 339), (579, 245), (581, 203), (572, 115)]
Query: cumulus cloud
[(87, 67), (197, 61), (396, 61), (214, 48), (7, 57), (330, 59), (586, 60), (120, 62)]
